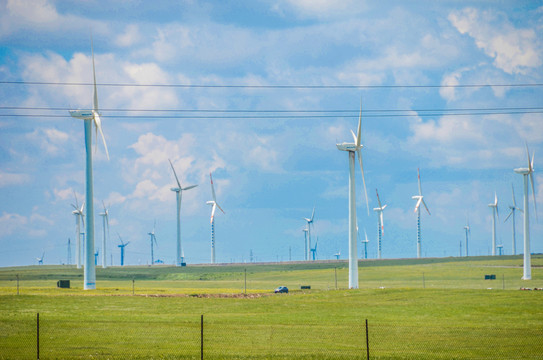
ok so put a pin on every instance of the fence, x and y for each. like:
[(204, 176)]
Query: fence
[(214, 337)]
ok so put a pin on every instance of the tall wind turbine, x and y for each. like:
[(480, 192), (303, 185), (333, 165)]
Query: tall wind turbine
[(105, 227), (527, 172), (512, 216), (494, 207), (90, 117), (122, 246), (79, 217), (420, 200), (351, 149), (467, 229), (179, 196), (214, 205), (153, 242), (381, 229), (308, 242)]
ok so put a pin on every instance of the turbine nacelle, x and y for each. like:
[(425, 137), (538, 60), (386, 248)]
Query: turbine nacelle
[(348, 147), (82, 114)]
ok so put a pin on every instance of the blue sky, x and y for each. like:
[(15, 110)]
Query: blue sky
[(270, 168)]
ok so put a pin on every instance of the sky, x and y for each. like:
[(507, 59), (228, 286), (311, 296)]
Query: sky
[(263, 92)]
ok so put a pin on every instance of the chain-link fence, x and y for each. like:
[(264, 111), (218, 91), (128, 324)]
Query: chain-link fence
[(216, 337)]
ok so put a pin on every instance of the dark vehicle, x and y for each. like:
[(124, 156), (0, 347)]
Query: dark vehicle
[(281, 289)]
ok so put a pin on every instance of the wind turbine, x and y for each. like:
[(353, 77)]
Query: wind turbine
[(337, 255), (381, 229), (494, 207), (153, 242), (365, 242), (122, 246), (69, 258), (525, 172), (79, 217), (306, 255), (105, 226), (512, 216), (214, 205), (314, 250), (468, 232), (179, 195), (351, 149), (420, 200), (308, 242), (90, 117), (40, 260)]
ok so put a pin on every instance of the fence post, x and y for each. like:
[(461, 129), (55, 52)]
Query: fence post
[(245, 280), (133, 281), (38, 335), (202, 337), (367, 342)]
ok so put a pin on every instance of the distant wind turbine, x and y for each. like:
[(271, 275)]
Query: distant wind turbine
[(105, 227), (467, 229), (494, 207), (90, 117), (381, 227), (512, 216), (40, 260), (420, 200), (351, 149), (365, 242), (308, 243), (153, 242), (214, 205), (338, 254), (79, 217), (122, 246), (527, 172), (306, 254), (314, 250), (69, 258), (179, 196)]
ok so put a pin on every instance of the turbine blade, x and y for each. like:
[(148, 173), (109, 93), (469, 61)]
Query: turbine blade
[(418, 175), (312, 214), (175, 174), (382, 223), (212, 188), (220, 208), (508, 216), (418, 204), (359, 134), (513, 192), (363, 179), (95, 95), (378, 200), (189, 187), (424, 203), (354, 137), (98, 124), (533, 192), (213, 211)]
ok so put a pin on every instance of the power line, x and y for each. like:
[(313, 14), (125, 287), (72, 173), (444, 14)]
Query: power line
[(189, 86)]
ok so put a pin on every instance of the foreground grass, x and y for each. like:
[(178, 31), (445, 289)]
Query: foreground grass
[(451, 315)]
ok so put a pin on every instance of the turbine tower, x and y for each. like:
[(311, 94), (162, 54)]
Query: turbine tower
[(365, 242), (306, 255), (179, 195), (527, 172), (214, 205), (494, 207), (308, 239), (105, 227), (153, 242), (79, 217), (420, 200), (467, 230), (69, 258), (381, 227), (512, 216), (90, 117), (351, 149), (122, 246)]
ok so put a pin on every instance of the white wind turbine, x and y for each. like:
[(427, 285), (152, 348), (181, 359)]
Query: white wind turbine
[(79, 217), (351, 149), (153, 242), (214, 205), (512, 216), (468, 232), (179, 195), (494, 207), (306, 255), (90, 117), (381, 229), (420, 200), (105, 227), (365, 242), (308, 239), (40, 260), (525, 172)]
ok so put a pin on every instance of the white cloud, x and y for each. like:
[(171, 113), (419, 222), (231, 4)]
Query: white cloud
[(9, 179), (52, 141), (318, 8), (514, 50), (130, 37), (10, 223)]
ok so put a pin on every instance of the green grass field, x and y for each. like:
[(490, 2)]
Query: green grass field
[(416, 309)]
